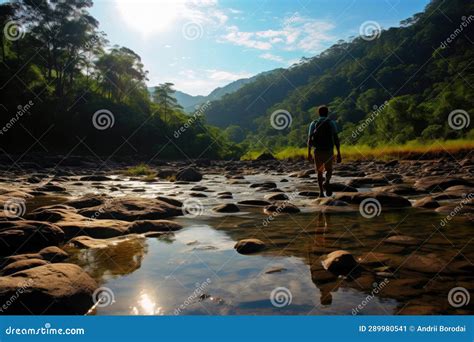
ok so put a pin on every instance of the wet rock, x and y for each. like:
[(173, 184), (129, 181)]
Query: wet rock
[(426, 202), (367, 181), (391, 163), (402, 240), (428, 184), (87, 201), (95, 178), (429, 263), (276, 197), (131, 209), (255, 203), (171, 201), (402, 289), (28, 236), (188, 175), (286, 208), (22, 265), (249, 246), (226, 208), (275, 270), (53, 289), (53, 254), (50, 187), (340, 187), (339, 262), (197, 194), (101, 229), (145, 226), (88, 242), (51, 213), (309, 193), (399, 189), (268, 185), (199, 188), (387, 200)]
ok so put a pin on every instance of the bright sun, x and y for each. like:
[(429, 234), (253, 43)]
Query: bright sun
[(148, 16)]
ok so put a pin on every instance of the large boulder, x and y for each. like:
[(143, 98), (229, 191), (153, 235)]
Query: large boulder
[(339, 262), (249, 246), (22, 265), (132, 209), (188, 175), (53, 289), (28, 236)]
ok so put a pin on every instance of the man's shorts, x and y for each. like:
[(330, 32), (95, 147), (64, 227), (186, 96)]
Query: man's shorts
[(323, 160)]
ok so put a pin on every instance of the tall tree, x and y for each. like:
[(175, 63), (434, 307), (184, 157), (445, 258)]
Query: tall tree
[(163, 95)]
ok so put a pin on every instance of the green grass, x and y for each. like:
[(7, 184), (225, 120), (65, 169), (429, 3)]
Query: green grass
[(140, 170), (360, 152)]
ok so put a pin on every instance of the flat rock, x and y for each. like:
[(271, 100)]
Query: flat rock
[(53, 289), (28, 236), (145, 226), (22, 265), (131, 209)]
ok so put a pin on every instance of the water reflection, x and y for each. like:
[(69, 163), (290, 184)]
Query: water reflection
[(146, 305)]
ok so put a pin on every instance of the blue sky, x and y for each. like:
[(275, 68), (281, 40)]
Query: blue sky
[(202, 44)]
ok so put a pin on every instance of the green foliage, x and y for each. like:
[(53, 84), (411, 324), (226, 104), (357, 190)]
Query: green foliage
[(140, 170), (404, 66), (65, 68)]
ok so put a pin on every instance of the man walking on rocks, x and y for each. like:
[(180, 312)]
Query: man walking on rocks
[(322, 137)]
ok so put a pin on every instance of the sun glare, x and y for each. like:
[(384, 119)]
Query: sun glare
[(147, 16)]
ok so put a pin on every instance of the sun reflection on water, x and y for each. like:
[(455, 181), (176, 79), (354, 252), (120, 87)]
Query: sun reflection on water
[(146, 305)]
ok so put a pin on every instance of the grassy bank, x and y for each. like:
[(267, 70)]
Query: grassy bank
[(357, 152)]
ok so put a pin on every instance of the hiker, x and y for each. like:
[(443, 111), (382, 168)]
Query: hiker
[(322, 136)]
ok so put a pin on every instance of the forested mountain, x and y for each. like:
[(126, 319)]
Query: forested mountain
[(409, 78), (190, 102), (65, 89)]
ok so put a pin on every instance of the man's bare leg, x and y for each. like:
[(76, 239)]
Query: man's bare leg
[(320, 183)]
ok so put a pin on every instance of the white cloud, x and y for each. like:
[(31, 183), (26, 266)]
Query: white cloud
[(296, 33), (272, 57), (202, 82)]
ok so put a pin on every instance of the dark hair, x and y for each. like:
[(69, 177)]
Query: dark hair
[(323, 111)]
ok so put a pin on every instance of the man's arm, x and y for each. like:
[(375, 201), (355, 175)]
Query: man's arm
[(310, 157)]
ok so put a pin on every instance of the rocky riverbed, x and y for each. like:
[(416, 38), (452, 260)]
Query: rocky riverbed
[(78, 236)]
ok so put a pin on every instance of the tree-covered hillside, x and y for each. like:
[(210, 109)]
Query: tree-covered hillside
[(401, 83), (66, 90)]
